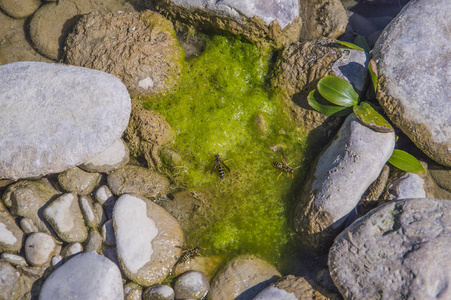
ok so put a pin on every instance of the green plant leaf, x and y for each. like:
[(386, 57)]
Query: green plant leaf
[(316, 101), (350, 45), (373, 72), (406, 162), (338, 91), (371, 118), (361, 41)]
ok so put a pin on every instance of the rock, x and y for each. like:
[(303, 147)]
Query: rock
[(132, 291), (191, 285), (19, 9), (441, 175), (57, 261), (72, 249), (337, 181), (39, 249), (159, 292), (58, 116), (104, 196), (13, 42), (137, 180), (26, 198), (322, 18), (65, 217), (147, 238), (10, 234), (154, 56), (108, 233), (93, 242), (277, 24), (9, 281), (146, 133), (412, 60), (89, 211), (13, 259), (87, 276), (27, 226), (243, 277), (299, 68), (114, 157), (408, 186), (207, 265), (75, 180), (398, 249)]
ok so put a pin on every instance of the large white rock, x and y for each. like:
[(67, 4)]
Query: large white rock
[(55, 116)]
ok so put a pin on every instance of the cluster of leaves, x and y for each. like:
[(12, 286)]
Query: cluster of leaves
[(336, 97)]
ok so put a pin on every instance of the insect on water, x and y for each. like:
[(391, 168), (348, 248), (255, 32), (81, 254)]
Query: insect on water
[(283, 166), (218, 164), (188, 254)]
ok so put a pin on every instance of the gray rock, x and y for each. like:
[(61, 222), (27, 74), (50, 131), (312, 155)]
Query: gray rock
[(408, 186), (57, 261), (339, 177), (277, 23), (72, 249), (115, 156), (58, 116), (132, 291), (271, 293), (19, 9), (89, 211), (147, 237), (93, 242), (65, 217), (243, 277), (398, 250), (75, 180), (159, 292), (27, 225), (87, 276), (137, 180), (413, 60), (14, 259), (39, 249), (26, 198), (10, 234), (191, 285), (154, 56)]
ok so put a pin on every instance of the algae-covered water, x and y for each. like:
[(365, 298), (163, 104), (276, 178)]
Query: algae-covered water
[(223, 106)]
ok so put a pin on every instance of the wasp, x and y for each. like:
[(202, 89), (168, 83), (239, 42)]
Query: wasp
[(188, 254), (218, 164), (284, 166)]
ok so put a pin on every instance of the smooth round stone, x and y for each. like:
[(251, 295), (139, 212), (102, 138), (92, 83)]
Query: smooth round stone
[(159, 292), (115, 156), (19, 9), (87, 276), (55, 117), (39, 248), (191, 285)]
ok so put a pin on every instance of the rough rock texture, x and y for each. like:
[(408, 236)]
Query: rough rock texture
[(146, 133), (153, 56), (147, 237), (114, 157), (399, 250), (242, 278), (19, 9), (132, 291), (337, 181), (26, 199), (137, 180), (298, 70), (87, 276), (414, 86), (75, 180), (322, 18), (276, 24), (55, 116), (10, 234)]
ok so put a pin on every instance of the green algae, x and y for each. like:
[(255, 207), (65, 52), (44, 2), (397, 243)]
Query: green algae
[(223, 106)]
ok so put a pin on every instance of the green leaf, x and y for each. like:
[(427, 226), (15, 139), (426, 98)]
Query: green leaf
[(406, 162), (361, 41), (371, 118), (322, 105), (373, 72), (350, 45), (338, 91)]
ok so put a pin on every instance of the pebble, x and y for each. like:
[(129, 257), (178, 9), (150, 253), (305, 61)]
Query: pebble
[(132, 291), (114, 157), (86, 276), (64, 215), (408, 186), (9, 281), (159, 292), (14, 259), (72, 249), (191, 285), (94, 241), (90, 213), (19, 9), (78, 114), (108, 233), (39, 248), (10, 234), (27, 226), (104, 196), (75, 180), (271, 293)]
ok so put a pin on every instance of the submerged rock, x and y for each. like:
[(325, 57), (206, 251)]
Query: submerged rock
[(191, 285), (19, 9), (413, 62), (400, 248), (147, 239), (55, 116), (153, 59), (337, 181), (243, 277), (87, 276), (159, 292), (276, 23)]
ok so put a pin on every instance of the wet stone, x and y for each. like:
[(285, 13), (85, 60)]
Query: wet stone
[(114, 157), (90, 214), (159, 292), (191, 285), (132, 291), (72, 249), (10, 234), (93, 242), (108, 233), (14, 259), (75, 180), (39, 249)]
